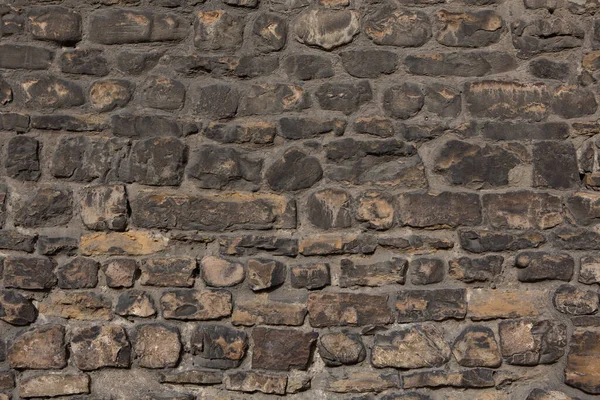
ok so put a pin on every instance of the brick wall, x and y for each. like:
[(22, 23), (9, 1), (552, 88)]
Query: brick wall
[(311, 199)]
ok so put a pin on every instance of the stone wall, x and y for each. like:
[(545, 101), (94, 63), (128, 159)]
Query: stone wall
[(309, 199)]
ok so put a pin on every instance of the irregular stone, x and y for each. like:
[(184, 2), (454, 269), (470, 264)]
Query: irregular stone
[(425, 271), (335, 244), (135, 303), (545, 68), (270, 32), (469, 270), (163, 93), (189, 304), (7, 381), (85, 159), (78, 273), (256, 133), (486, 304), (561, 171), (507, 100), (32, 273), (431, 305), (522, 210), (584, 207), (157, 345), (326, 29), (22, 160), (569, 299), (582, 370), (295, 128), (589, 271), (256, 381), (573, 102), (391, 26), (294, 171), (49, 92), (57, 24), (216, 167), (376, 126), (52, 385), (447, 209), (252, 244), (470, 378), (494, 164), (148, 126), (265, 273), (98, 347), (253, 66), (377, 209), (136, 63), (330, 208), (282, 349), (79, 305), (541, 394), (213, 212), (415, 347), (404, 101), (219, 272), (219, 346), (122, 26), (13, 56), (531, 342), (478, 63), (476, 346), (72, 123), (13, 240), (369, 63), (172, 271), (311, 276), (347, 309), (272, 99), (568, 238), (364, 381), (84, 62), (134, 243), (109, 94), (48, 206), (258, 312), (306, 67), (350, 149), (218, 30), (42, 347), (156, 162), (374, 274), (525, 131), (545, 35), (468, 29), (16, 309), (537, 266), (444, 101), (193, 377), (104, 207), (341, 349)]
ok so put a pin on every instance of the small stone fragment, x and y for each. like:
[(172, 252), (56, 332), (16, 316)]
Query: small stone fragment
[(341, 349), (265, 273), (135, 303), (219, 272), (219, 346), (201, 305), (476, 346), (174, 271), (425, 271)]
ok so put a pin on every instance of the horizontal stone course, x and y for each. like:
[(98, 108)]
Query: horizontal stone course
[(337, 199)]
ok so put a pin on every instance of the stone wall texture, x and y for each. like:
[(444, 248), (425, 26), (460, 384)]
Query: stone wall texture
[(303, 199)]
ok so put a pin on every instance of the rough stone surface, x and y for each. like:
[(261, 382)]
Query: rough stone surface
[(336, 199)]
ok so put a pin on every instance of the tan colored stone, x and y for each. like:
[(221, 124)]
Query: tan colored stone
[(134, 243), (486, 304), (52, 385), (81, 305)]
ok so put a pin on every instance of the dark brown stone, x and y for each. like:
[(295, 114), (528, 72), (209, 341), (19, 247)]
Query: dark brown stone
[(178, 272), (532, 342), (347, 309), (42, 347), (279, 349), (78, 273), (431, 305), (99, 347), (219, 346), (373, 274)]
